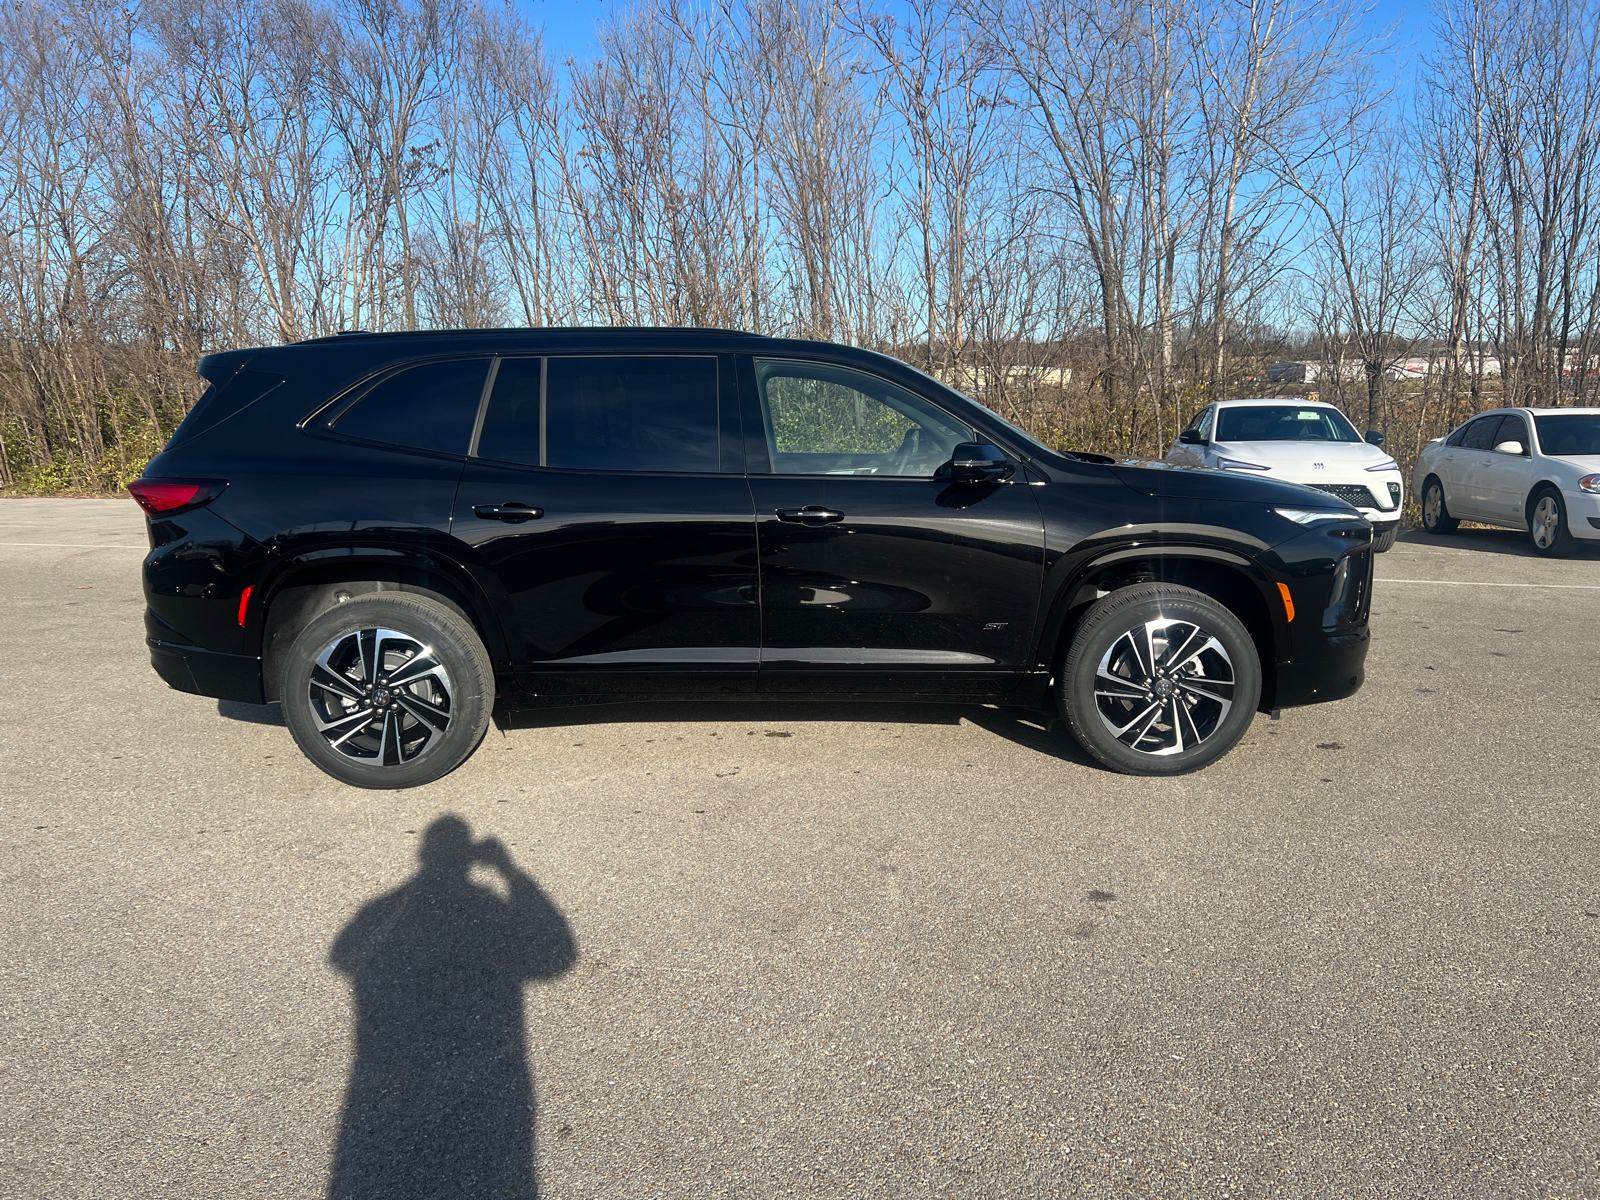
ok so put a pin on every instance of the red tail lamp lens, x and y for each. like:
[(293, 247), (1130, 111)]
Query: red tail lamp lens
[(158, 496)]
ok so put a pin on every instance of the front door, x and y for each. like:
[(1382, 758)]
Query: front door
[(875, 575), (617, 538), (1471, 469), (1507, 477)]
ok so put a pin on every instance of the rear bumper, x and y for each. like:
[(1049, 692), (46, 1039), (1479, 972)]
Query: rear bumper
[(208, 672), (1336, 671)]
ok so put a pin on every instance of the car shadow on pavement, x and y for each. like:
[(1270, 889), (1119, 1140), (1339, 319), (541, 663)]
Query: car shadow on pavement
[(1037, 730), (251, 714), (440, 1101), (1485, 539)]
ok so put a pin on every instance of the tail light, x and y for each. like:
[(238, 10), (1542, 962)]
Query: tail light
[(163, 497)]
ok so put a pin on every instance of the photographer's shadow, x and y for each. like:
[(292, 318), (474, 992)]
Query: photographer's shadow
[(440, 1102)]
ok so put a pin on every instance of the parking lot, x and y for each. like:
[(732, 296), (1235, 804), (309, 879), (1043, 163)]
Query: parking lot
[(808, 950)]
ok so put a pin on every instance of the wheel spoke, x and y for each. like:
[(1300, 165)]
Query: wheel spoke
[(1152, 710), (1154, 716), (332, 681), (1210, 644), (423, 665), (389, 751), (1108, 684), (431, 715), (1174, 659), (345, 727), (1201, 687)]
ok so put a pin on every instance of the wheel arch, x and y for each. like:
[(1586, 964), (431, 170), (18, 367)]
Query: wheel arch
[(308, 587), (1231, 579), (1533, 495)]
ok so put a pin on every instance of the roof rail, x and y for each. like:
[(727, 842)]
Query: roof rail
[(554, 329)]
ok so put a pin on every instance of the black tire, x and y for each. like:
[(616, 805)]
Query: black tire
[(1385, 540), (1436, 516), (423, 721), (1547, 524), (1194, 724)]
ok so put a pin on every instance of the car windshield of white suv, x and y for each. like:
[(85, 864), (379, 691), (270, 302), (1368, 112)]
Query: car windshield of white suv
[(1571, 433), (1283, 423)]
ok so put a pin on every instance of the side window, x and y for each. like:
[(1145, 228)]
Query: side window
[(1513, 429), (1206, 418), (1455, 438), (512, 428), (631, 413), (427, 407), (826, 420), (1480, 434)]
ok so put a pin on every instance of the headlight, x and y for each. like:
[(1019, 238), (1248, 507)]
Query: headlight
[(1589, 483), (1233, 464), (1387, 464), (1310, 516)]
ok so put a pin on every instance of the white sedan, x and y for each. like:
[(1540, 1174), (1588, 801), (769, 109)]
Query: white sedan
[(1302, 441), (1523, 468)]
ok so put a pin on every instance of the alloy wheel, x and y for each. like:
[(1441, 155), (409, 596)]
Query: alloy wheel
[(1164, 686), (1546, 522), (380, 696)]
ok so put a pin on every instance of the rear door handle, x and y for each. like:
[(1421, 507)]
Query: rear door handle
[(811, 514), (510, 511)]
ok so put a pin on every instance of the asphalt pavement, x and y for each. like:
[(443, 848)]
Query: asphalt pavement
[(821, 950)]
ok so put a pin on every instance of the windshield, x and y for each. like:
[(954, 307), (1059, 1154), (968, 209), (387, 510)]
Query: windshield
[(1284, 423), (1574, 433)]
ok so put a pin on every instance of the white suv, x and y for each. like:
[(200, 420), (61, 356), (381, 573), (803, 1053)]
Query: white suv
[(1491, 470), (1301, 441)]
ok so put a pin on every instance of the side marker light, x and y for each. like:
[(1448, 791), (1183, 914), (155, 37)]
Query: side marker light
[(1283, 590)]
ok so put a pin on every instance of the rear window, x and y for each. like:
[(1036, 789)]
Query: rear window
[(1572, 433), (1283, 423), (620, 413), (427, 407)]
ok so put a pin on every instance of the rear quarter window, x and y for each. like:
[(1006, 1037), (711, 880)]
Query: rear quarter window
[(431, 406)]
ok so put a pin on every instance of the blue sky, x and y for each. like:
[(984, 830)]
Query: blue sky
[(570, 24)]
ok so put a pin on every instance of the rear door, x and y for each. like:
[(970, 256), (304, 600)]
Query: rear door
[(876, 575), (606, 508)]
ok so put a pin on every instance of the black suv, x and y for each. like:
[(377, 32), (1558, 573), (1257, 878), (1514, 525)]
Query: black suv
[(389, 533)]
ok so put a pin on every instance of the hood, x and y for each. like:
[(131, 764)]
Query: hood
[(1203, 483), (1298, 457)]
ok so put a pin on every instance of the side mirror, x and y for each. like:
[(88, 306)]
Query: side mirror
[(1192, 437), (1508, 448), (973, 462), (1375, 437)]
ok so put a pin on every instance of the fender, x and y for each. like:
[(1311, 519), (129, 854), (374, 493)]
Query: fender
[(1066, 573), (427, 559)]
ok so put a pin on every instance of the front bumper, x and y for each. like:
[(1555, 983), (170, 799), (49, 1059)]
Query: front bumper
[(1336, 671)]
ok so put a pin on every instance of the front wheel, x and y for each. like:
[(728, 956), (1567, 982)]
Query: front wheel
[(388, 691), (1436, 517), (1547, 525), (1385, 540), (1160, 680)]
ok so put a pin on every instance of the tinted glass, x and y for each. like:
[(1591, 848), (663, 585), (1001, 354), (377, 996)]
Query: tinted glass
[(632, 414), (1284, 423), (216, 406), (1574, 433), (511, 426), (1480, 434), (1512, 429), (824, 420), (429, 407), (1455, 438)]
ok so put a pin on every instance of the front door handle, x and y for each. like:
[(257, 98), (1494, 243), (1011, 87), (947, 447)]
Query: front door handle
[(510, 511), (811, 514)]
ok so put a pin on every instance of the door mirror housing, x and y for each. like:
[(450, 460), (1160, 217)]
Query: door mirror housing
[(1192, 437), (974, 462), (1375, 437), (1512, 447)]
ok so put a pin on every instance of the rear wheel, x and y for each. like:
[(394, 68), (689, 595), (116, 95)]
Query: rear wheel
[(1436, 517), (388, 691), (1159, 680), (1547, 524)]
